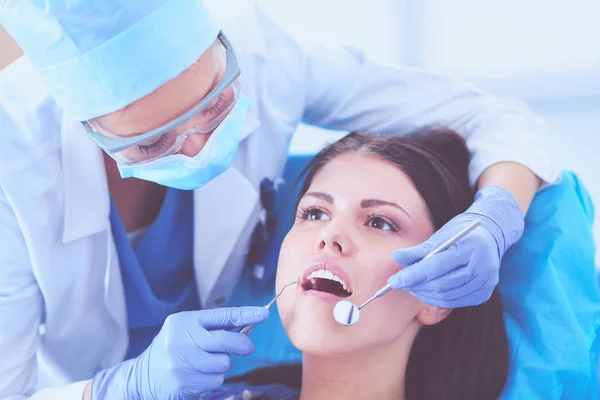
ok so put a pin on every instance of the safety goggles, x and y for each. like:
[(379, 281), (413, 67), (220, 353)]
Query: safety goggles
[(168, 139)]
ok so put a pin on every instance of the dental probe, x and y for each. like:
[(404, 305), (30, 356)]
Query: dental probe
[(248, 328)]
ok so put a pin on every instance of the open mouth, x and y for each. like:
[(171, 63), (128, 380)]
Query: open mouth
[(323, 280)]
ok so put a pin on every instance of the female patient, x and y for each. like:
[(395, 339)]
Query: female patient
[(363, 197)]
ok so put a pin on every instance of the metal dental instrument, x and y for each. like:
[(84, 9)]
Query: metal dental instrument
[(347, 313), (248, 328)]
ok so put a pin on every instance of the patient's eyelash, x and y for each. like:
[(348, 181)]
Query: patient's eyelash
[(376, 216), (305, 212)]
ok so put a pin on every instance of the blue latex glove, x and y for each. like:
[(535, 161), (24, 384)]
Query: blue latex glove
[(466, 273), (189, 355)]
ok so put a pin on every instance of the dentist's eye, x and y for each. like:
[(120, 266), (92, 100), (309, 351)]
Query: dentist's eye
[(382, 223), (217, 107), (312, 214), (154, 146)]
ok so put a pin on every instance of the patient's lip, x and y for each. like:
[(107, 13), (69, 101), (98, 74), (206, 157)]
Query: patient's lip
[(328, 264), (324, 295)]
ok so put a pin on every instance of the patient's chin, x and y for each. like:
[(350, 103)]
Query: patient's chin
[(320, 343), (312, 329)]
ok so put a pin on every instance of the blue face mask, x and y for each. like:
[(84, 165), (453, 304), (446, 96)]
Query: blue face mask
[(187, 173)]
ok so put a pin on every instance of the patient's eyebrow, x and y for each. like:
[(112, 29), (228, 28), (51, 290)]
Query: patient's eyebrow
[(367, 203), (320, 195)]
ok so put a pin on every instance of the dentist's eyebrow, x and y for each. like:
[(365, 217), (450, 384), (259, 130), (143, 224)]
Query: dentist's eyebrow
[(368, 203), (320, 195)]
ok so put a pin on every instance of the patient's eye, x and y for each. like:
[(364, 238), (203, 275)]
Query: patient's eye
[(382, 223), (312, 214)]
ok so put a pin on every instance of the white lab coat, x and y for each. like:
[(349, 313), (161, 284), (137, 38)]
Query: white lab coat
[(62, 306)]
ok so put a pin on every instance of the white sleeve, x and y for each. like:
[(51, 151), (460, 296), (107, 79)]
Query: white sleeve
[(345, 91), (73, 391), (20, 309), (21, 306)]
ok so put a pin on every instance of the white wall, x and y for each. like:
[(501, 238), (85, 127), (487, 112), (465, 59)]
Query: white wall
[(375, 26), (508, 38), (544, 51)]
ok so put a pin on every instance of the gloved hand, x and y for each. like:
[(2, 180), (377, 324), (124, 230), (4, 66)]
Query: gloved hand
[(466, 273), (189, 355)]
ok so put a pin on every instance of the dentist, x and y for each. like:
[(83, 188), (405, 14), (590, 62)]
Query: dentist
[(196, 101)]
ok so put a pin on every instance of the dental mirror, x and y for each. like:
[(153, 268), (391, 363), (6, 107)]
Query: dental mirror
[(347, 313)]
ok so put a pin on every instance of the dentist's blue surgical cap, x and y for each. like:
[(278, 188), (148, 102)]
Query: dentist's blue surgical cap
[(97, 57)]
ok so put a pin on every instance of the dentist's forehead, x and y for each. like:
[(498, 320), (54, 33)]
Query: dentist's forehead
[(171, 99)]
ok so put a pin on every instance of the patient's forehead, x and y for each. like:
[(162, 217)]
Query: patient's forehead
[(356, 176)]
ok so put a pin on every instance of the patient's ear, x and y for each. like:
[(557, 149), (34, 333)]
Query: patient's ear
[(431, 315)]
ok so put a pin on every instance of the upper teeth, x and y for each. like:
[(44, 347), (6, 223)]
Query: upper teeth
[(325, 274)]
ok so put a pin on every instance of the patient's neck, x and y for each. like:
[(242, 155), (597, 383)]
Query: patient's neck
[(374, 373)]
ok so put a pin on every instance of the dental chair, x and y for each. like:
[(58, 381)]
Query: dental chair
[(548, 286)]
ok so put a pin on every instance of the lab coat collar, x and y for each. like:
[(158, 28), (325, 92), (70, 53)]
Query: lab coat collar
[(87, 209), (86, 201)]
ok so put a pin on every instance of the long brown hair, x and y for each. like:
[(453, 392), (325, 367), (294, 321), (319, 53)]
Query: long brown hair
[(466, 355)]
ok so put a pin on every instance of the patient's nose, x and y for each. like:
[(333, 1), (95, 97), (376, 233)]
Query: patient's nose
[(333, 238)]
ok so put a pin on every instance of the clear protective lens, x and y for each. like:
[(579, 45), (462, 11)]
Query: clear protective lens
[(171, 141)]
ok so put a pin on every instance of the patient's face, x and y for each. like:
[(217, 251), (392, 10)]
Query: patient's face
[(357, 210)]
